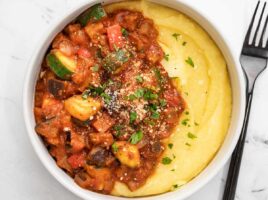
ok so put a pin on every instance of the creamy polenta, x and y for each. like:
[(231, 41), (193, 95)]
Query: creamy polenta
[(201, 75)]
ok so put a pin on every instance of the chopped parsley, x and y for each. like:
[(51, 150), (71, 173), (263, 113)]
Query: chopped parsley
[(132, 116), (187, 144), (153, 107), (132, 97), (118, 129), (96, 91), (136, 137), (114, 147), (176, 35), (158, 76), (166, 57), (155, 115), (185, 122), (166, 160), (85, 94), (147, 121), (191, 136), (95, 68), (121, 56), (139, 79), (184, 43), (149, 95), (196, 124), (190, 61), (163, 102), (175, 186), (115, 59), (124, 32), (170, 145), (187, 113), (139, 93), (107, 98), (145, 93), (186, 93), (173, 170)]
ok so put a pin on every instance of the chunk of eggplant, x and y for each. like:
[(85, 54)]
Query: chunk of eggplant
[(56, 88)]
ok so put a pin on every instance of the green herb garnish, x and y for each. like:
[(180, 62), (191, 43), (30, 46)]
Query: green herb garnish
[(96, 91), (95, 68), (184, 43), (187, 144), (166, 160), (196, 124), (158, 76), (187, 113), (106, 97), (170, 145), (191, 136), (85, 94), (121, 56), (190, 61), (132, 97), (124, 32), (175, 186), (149, 95), (139, 93), (139, 79), (176, 35), (147, 121), (114, 147), (166, 57), (118, 129), (185, 122), (163, 102), (155, 115), (132, 116), (136, 137)]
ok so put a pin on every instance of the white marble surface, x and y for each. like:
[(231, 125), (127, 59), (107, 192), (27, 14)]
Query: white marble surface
[(22, 176)]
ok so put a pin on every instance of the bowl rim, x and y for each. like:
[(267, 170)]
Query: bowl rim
[(68, 16)]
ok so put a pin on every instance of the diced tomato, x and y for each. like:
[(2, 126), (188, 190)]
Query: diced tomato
[(84, 52), (102, 139), (115, 36), (77, 142), (76, 160), (51, 106), (103, 123), (172, 116)]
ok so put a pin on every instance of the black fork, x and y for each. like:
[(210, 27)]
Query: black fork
[(253, 60)]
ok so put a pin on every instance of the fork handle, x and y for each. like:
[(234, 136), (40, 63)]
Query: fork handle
[(234, 168)]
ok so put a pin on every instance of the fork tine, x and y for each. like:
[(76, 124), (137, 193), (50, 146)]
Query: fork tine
[(251, 24), (263, 32), (258, 26)]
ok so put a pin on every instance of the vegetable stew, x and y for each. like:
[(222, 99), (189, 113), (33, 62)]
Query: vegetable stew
[(103, 101)]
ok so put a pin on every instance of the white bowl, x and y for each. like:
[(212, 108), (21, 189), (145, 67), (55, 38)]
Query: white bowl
[(238, 89)]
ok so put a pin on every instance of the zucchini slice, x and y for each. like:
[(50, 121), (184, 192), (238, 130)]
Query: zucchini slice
[(80, 108), (128, 154), (94, 13), (60, 64)]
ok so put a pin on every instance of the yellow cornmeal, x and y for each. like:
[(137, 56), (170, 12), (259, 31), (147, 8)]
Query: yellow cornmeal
[(205, 88)]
